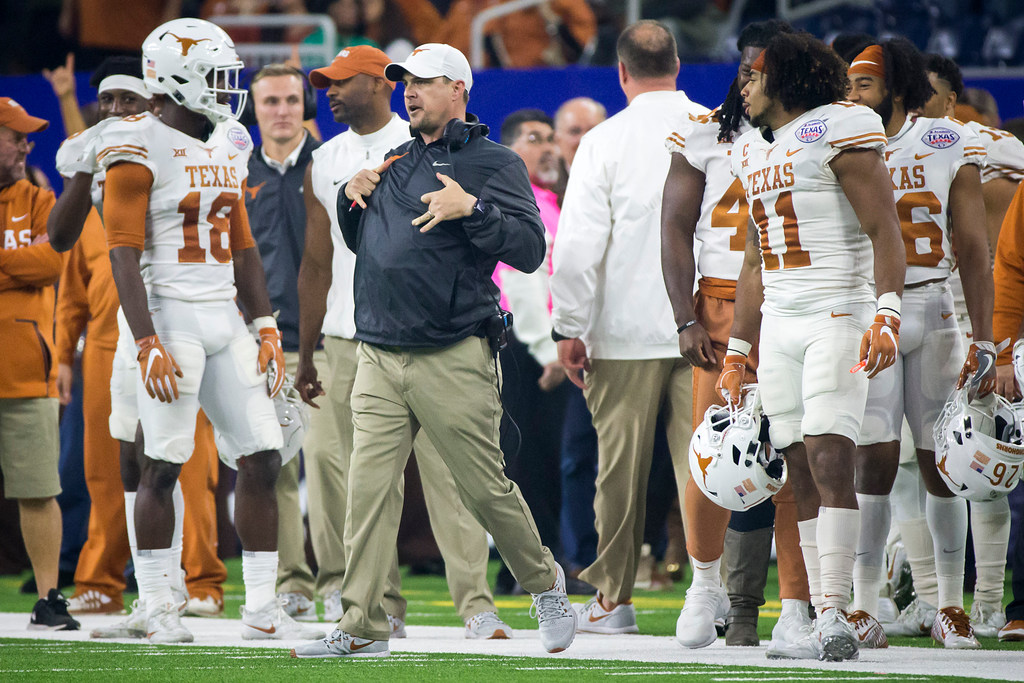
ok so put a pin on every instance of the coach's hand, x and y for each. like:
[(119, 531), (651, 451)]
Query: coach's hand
[(365, 182), (306, 382), (695, 347), (880, 344), (572, 354), (449, 203), (271, 358), (158, 369)]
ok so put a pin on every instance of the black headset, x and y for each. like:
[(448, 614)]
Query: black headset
[(248, 116)]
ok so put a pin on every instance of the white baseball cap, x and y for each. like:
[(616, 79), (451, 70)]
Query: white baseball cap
[(430, 61)]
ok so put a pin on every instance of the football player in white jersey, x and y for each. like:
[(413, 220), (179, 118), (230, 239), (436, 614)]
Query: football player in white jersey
[(181, 250), (935, 166), (819, 195), (704, 201)]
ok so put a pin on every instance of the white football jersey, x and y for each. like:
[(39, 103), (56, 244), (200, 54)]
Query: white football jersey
[(923, 158), (814, 255), (722, 226), (78, 153), (1004, 153), (187, 251)]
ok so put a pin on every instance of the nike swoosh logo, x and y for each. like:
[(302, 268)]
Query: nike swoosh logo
[(272, 629), (231, 157), (354, 647), (339, 181), (19, 218), (949, 552), (791, 152), (985, 363), (592, 619), (946, 316), (922, 156), (840, 315), (440, 163)]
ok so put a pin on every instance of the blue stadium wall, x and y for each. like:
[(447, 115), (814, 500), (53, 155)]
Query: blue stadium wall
[(495, 94)]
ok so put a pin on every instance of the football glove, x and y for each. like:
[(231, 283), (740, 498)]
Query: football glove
[(730, 382), (271, 358), (158, 369), (881, 342), (980, 369)]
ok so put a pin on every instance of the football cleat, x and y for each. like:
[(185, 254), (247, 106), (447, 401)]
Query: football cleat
[(132, 627), (836, 638), (593, 618), (987, 619), (1012, 632), (869, 632), (341, 644), (914, 622), (163, 625), (556, 619), (487, 626), (703, 610), (952, 630), (298, 606), (270, 622), (793, 637)]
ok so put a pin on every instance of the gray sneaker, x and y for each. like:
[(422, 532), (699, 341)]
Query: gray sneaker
[(593, 618), (836, 637), (341, 644), (298, 606), (132, 627), (487, 626), (556, 619), (333, 611)]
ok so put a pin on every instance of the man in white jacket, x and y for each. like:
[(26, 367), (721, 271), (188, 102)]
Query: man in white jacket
[(611, 313)]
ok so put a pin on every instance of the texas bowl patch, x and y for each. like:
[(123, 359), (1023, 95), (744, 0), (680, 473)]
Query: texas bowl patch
[(238, 138), (811, 131), (940, 138)]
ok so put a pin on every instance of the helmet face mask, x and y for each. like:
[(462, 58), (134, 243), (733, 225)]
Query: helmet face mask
[(979, 446), (731, 459), (194, 63)]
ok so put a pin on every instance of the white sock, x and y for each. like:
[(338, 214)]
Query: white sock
[(838, 531), (133, 543), (808, 530), (793, 606), (152, 577), (991, 525), (867, 570), (259, 573), (906, 497), (917, 540), (706, 573), (177, 574), (947, 520)]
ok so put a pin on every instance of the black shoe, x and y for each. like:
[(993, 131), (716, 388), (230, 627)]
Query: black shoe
[(51, 614)]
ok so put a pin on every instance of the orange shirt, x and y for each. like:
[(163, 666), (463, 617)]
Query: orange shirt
[(87, 294), (1008, 273), (29, 267)]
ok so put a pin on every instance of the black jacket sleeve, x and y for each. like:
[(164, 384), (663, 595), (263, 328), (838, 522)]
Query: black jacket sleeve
[(348, 219), (509, 229)]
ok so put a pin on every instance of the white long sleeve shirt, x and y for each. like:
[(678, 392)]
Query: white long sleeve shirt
[(607, 287)]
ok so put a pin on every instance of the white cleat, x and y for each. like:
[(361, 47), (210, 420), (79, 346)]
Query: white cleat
[(952, 630), (341, 644), (397, 627), (556, 619), (132, 627), (869, 632), (593, 618), (163, 625), (487, 626), (914, 621), (270, 622), (987, 619), (704, 609), (333, 611), (298, 606), (837, 640), (793, 637)]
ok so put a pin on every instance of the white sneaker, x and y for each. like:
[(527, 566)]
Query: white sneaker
[(952, 630), (341, 644), (556, 619), (593, 618), (333, 611), (915, 621), (793, 637), (298, 606), (487, 626), (397, 627), (987, 619), (704, 609), (163, 625), (836, 638), (270, 622), (132, 627), (869, 632), (204, 607)]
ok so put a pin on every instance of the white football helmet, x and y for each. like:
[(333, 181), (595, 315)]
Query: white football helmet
[(979, 449), (293, 416), (731, 458), (194, 63)]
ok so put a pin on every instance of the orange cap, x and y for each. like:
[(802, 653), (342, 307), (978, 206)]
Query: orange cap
[(14, 116), (870, 62), (758, 64), (359, 59)]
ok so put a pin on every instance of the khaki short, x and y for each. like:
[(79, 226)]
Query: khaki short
[(29, 447)]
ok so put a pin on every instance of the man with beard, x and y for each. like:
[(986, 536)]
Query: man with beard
[(934, 165), (819, 194), (704, 201)]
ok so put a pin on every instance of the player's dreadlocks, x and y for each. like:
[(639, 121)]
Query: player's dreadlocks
[(802, 73), (905, 74), (947, 70), (756, 34)]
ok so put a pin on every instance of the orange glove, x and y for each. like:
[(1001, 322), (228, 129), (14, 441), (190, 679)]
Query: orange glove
[(158, 369), (979, 369), (730, 382), (271, 359), (880, 344)]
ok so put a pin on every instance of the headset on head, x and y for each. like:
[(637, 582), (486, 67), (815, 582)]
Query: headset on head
[(248, 115)]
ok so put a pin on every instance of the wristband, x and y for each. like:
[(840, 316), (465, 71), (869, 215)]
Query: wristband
[(264, 321), (685, 326), (739, 347), (890, 303)]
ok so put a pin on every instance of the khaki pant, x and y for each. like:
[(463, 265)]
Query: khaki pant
[(452, 394), (626, 398)]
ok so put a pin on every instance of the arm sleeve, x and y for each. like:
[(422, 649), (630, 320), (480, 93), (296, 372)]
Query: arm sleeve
[(1008, 273), (72, 304), (584, 231), (240, 232), (509, 229), (37, 265), (125, 202)]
